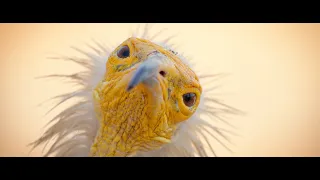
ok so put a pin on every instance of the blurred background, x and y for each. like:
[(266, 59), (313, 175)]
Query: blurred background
[(275, 78)]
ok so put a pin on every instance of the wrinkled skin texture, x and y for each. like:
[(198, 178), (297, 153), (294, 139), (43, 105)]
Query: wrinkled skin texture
[(144, 117)]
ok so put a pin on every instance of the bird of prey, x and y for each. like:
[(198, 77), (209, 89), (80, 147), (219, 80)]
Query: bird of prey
[(141, 98)]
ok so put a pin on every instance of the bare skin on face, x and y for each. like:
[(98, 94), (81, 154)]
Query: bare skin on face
[(146, 91)]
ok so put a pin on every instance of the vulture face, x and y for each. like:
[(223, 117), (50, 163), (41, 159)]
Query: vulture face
[(146, 91), (138, 99)]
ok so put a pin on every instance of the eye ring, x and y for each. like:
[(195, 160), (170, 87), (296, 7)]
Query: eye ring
[(123, 52), (189, 99)]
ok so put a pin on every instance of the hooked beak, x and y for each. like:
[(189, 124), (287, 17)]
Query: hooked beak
[(147, 71)]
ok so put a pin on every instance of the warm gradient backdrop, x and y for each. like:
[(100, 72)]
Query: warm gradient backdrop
[(275, 78)]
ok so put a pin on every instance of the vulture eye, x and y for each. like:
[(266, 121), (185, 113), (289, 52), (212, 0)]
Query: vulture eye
[(123, 52), (189, 99)]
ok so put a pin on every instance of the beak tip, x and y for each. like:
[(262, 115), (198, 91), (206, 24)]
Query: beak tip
[(129, 88)]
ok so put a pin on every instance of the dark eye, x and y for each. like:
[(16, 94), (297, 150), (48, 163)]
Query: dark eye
[(189, 99), (123, 52)]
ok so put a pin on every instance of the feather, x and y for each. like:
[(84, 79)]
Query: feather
[(73, 130)]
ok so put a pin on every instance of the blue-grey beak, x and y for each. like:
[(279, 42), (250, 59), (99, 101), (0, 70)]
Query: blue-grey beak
[(147, 71)]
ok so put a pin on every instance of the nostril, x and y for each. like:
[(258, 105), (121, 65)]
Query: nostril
[(162, 73)]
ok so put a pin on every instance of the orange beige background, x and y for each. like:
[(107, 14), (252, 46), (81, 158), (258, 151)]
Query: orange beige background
[(275, 78)]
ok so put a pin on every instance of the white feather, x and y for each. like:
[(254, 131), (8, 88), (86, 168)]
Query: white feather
[(73, 130)]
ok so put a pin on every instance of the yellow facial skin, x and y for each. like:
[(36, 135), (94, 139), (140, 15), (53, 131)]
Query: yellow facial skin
[(145, 117)]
